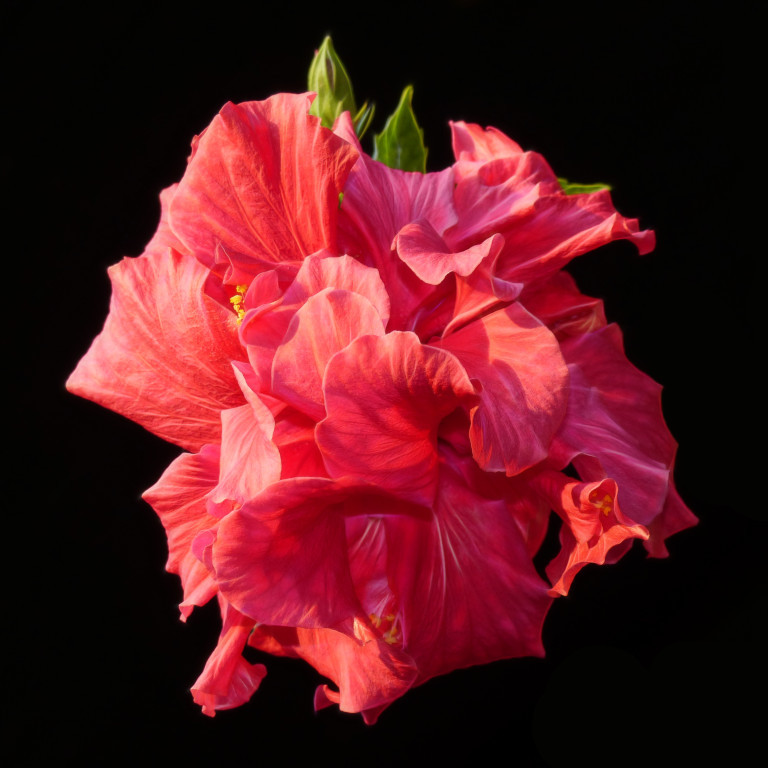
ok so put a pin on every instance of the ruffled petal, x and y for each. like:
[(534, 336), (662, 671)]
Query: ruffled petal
[(324, 271), (164, 356), (179, 498), (265, 326), (501, 189), (249, 458), (323, 326), (430, 258), (559, 304), (294, 437), (281, 558), (262, 187), (593, 525), (378, 202), (385, 397), (164, 238), (228, 680), (472, 143), (524, 387), (614, 428), (367, 675)]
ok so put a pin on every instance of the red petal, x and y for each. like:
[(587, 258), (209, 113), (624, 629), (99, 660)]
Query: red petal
[(524, 387), (323, 326), (614, 427), (368, 675), (501, 189), (385, 397), (164, 238), (464, 582), (228, 680), (179, 498), (426, 253), (281, 558), (164, 356), (559, 304), (378, 202), (593, 525), (472, 143), (295, 438), (249, 459), (262, 186), (319, 272), (265, 326)]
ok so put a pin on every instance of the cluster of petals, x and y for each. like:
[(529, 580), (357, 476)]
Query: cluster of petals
[(387, 390)]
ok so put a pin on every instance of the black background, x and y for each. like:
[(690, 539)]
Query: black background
[(648, 660)]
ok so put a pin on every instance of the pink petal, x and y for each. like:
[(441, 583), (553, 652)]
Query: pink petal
[(368, 675), (559, 304), (262, 187), (264, 327), (501, 189), (295, 438), (614, 428), (163, 358), (481, 292), (319, 272), (499, 195), (385, 397), (464, 582), (179, 498), (675, 516), (164, 238), (426, 253), (561, 227), (228, 680), (249, 459), (323, 326), (524, 387), (378, 202), (474, 144), (281, 558)]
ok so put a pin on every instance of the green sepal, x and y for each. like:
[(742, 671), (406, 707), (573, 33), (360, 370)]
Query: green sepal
[(362, 119), (401, 143), (328, 78), (571, 188)]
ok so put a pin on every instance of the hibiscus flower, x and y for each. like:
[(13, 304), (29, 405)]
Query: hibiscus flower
[(379, 378)]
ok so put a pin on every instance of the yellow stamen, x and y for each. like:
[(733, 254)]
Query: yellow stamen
[(391, 633), (237, 302), (606, 504)]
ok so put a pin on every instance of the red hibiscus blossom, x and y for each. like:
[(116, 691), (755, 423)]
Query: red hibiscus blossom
[(379, 376)]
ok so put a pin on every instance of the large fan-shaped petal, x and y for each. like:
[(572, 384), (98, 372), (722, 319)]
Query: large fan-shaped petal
[(262, 187), (466, 590), (164, 356)]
